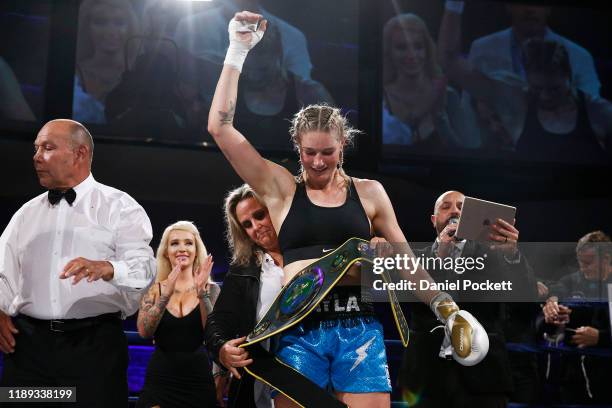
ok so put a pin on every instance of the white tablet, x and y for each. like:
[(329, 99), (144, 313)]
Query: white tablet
[(478, 217)]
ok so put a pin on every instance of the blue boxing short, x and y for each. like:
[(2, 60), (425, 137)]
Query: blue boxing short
[(347, 352)]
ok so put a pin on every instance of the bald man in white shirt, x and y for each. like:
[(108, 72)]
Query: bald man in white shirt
[(74, 262)]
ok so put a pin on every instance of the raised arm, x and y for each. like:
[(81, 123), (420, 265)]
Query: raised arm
[(459, 69), (266, 178), (600, 115)]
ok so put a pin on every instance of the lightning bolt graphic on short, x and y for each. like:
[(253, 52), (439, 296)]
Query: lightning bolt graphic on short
[(361, 353)]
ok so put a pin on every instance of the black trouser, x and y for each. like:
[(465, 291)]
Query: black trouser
[(441, 383), (452, 393), (92, 357)]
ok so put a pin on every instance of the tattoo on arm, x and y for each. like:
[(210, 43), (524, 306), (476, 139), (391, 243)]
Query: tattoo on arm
[(208, 306), (227, 117), (151, 312), (208, 301), (215, 290)]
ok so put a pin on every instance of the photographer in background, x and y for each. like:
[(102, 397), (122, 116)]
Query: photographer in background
[(578, 308)]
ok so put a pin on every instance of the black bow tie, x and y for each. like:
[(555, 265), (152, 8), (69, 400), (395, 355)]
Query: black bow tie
[(56, 195)]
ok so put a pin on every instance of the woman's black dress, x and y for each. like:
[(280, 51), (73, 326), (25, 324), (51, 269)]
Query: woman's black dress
[(179, 374)]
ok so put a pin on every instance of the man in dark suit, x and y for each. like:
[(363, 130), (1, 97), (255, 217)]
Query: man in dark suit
[(431, 381)]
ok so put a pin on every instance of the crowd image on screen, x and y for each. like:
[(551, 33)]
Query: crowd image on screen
[(145, 69), (23, 68), (104, 29), (528, 92), (13, 104), (419, 108), (528, 84)]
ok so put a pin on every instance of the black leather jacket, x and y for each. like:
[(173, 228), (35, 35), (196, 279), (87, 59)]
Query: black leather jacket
[(233, 316)]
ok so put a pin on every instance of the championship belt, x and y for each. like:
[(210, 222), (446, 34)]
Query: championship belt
[(295, 301)]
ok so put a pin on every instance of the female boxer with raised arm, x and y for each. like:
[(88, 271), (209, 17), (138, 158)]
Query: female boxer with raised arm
[(313, 213)]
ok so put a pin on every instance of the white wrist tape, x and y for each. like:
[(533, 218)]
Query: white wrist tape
[(443, 306), (243, 37), (454, 6)]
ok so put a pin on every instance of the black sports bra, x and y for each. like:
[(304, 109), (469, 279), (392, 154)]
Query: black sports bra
[(310, 231)]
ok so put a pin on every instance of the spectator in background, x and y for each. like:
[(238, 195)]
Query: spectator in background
[(493, 136), (270, 93), (419, 109), (549, 118), (12, 102), (204, 35), (158, 95), (105, 26), (174, 312), (499, 55), (269, 88), (501, 51), (586, 323), (276, 78), (161, 17), (594, 255)]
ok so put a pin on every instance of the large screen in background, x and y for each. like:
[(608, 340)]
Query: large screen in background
[(497, 80), (147, 70), (24, 46)]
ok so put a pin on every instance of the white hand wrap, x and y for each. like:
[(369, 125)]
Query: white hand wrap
[(243, 37), (464, 338)]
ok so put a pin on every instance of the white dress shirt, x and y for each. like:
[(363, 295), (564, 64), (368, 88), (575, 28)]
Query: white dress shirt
[(103, 223), (501, 51), (270, 284)]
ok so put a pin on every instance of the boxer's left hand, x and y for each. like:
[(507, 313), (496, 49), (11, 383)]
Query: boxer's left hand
[(505, 236), (381, 247), (84, 268), (468, 340), (464, 337)]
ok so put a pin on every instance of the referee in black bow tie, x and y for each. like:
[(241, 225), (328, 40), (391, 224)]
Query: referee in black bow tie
[(73, 263)]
